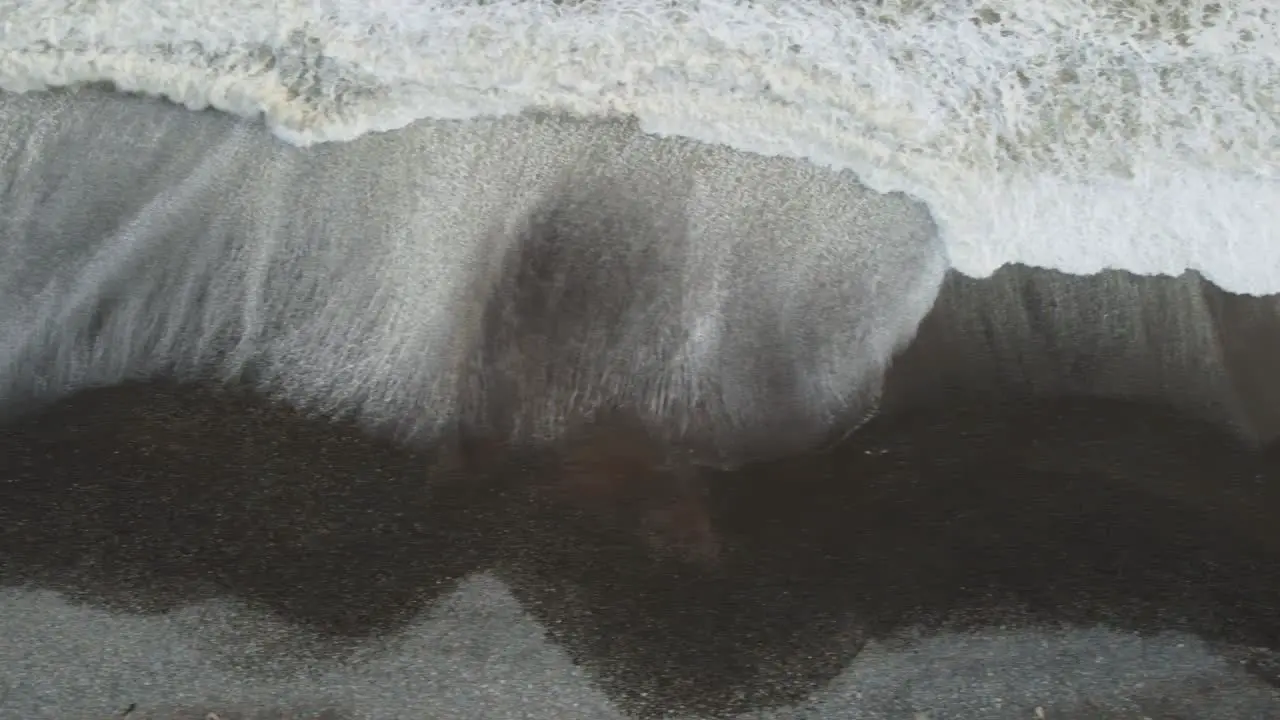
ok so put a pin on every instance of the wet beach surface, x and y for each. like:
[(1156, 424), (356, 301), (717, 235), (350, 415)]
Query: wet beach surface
[(987, 548), (149, 498)]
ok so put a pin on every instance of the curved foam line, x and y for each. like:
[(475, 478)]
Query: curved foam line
[(1074, 134)]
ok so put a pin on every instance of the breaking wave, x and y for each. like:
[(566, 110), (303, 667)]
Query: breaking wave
[(1073, 134)]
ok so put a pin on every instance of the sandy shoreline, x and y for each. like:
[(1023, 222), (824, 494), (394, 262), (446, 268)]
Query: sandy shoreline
[(1082, 136), (1102, 597), (194, 553)]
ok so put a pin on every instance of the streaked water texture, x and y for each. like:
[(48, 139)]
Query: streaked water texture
[(721, 294)]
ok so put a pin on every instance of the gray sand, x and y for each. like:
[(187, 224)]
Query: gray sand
[(478, 655)]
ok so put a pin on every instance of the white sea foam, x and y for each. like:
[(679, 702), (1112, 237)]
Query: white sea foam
[(715, 292), (1075, 134)]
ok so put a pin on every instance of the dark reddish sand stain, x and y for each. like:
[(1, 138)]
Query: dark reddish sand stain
[(616, 474)]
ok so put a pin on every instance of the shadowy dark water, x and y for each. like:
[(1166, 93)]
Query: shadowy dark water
[(1079, 511)]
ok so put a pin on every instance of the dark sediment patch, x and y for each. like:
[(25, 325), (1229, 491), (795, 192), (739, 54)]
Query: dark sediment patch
[(150, 496), (1177, 342)]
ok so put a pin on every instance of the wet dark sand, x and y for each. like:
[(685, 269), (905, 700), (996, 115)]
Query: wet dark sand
[(994, 508), (147, 497)]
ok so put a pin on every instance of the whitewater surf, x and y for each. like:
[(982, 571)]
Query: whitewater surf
[(1073, 134)]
